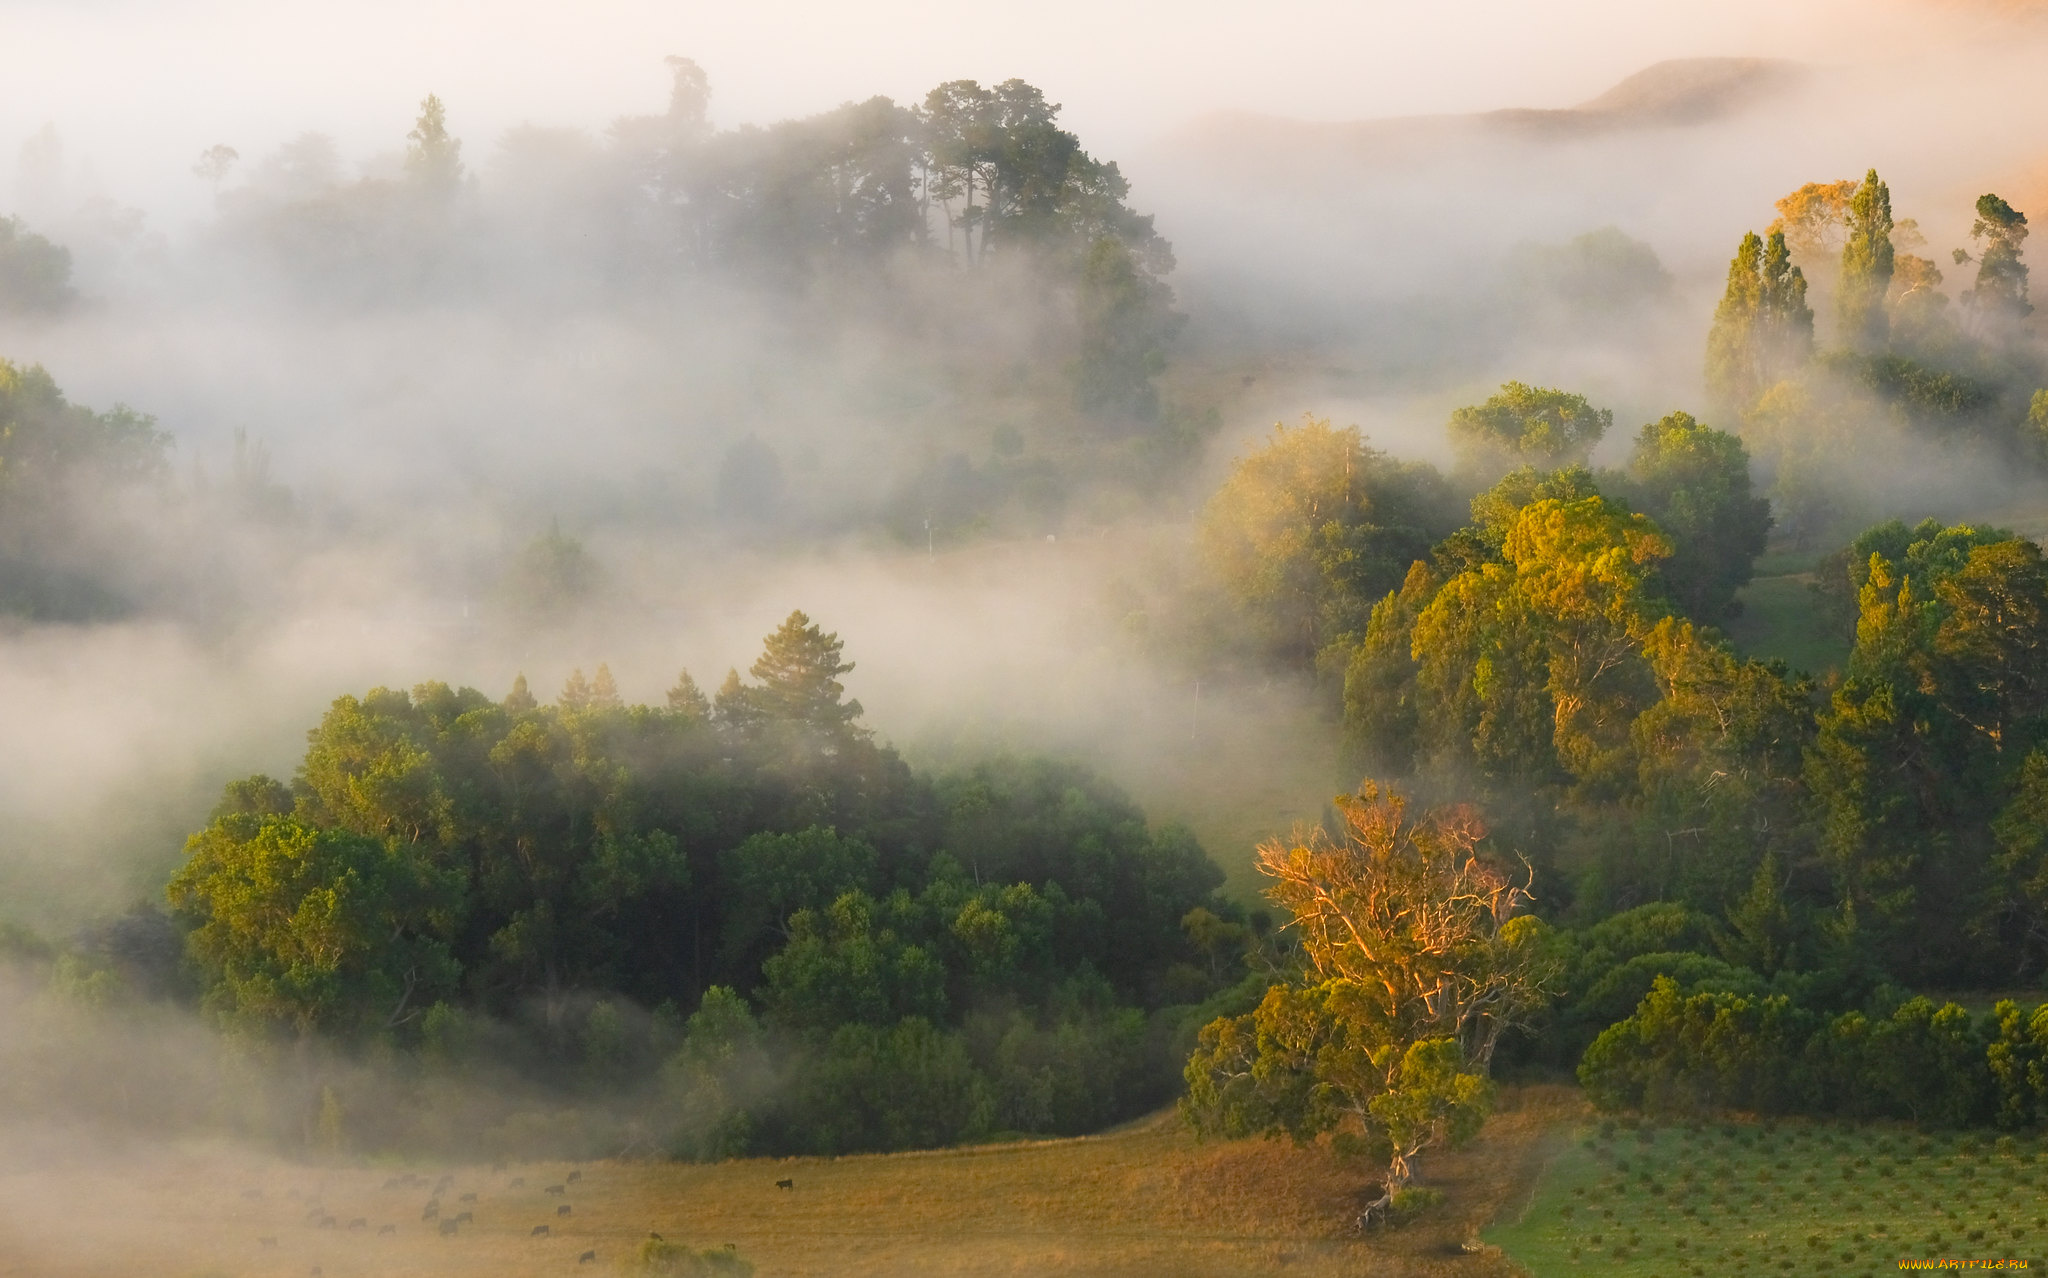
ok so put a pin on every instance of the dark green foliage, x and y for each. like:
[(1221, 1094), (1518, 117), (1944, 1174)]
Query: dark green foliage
[(1694, 481), (60, 464), (1126, 321), (35, 275), (932, 958), (1713, 1051), (2000, 295)]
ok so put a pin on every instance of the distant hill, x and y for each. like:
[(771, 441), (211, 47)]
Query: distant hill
[(1674, 94)]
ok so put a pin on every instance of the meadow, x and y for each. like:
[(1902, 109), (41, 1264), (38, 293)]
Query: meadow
[(1144, 1199), (1737, 1198)]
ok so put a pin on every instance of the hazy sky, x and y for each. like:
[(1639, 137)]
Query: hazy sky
[(137, 89)]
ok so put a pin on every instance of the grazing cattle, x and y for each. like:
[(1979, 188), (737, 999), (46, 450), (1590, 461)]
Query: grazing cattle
[(563, 1210), (785, 1184), (465, 1218), (327, 1222), (555, 1189), (443, 1183), (574, 1176), (539, 1231), (430, 1211), (517, 1182), (467, 1198), (314, 1213), (387, 1229), (448, 1227), (359, 1223), (266, 1244), (587, 1257), (653, 1236)]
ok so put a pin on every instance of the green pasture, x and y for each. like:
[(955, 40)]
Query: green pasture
[(1730, 1199)]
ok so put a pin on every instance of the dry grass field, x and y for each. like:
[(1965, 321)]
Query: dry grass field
[(1146, 1199)]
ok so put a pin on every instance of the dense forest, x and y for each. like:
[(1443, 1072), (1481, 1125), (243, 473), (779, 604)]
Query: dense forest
[(1600, 838)]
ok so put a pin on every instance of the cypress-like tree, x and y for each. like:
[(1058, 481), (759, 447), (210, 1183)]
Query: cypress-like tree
[(1763, 328), (434, 159), (1867, 267)]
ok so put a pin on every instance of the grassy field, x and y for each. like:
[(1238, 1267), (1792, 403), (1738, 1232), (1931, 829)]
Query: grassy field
[(1780, 618), (1143, 1200), (1734, 1199)]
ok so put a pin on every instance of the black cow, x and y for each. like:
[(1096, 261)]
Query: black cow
[(387, 1229), (465, 1219), (785, 1184), (449, 1226), (539, 1231), (327, 1222), (555, 1189), (430, 1211), (587, 1257), (517, 1182), (574, 1176), (563, 1210), (359, 1223)]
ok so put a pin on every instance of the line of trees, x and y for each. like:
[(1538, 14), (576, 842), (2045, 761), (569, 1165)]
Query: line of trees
[(876, 958)]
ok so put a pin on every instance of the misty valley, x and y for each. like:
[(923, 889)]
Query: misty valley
[(879, 691)]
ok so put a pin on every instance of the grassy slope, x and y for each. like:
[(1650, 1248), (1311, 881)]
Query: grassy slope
[(1146, 1199), (1801, 1197)]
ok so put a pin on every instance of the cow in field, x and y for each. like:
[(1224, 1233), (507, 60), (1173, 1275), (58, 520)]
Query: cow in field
[(359, 1223), (555, 1189), (574, 1176), (539, 1231), (517, 1182), (785, 1184), (388, 1229), (563, 1210), (587, 1257), (465, 1218)]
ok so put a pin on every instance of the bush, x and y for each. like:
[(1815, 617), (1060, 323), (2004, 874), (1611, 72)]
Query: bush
[(673, 1260)]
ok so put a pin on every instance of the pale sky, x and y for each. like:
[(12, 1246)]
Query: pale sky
[(136, 89)]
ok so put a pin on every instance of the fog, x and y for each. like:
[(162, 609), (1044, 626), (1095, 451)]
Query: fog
[(1363, 202)]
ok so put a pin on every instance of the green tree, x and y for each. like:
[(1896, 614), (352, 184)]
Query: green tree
[(2000, 295), (35, 274), (1693, 481), (434, 157), (315, 930), (1417, 959), (1763, 328), (1524, 423), (1126, 321), (799, 671), (1867, 261), (1312, 528)]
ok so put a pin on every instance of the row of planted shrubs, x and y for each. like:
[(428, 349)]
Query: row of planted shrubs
[(1685, 1053)]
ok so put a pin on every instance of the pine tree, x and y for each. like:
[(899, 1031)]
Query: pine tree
[(799, 672), (575, 692), (604, 691), (434, 159), (688, 700), (519, 700), (1867, 262), (734, 706)]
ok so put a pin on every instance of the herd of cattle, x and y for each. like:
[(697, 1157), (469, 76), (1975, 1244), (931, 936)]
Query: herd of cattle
[(444, 1222)]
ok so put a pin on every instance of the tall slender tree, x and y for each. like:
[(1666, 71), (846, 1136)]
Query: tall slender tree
[(1867, 262), (1763, 328)]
